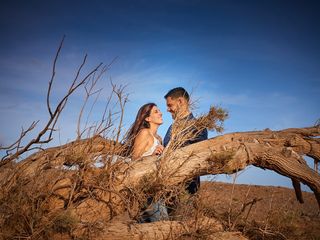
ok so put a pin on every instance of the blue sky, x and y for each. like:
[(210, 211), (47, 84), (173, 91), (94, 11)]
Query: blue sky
[(258, 59)]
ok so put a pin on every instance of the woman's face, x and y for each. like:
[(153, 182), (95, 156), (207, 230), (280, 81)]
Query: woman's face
[(155, 116)]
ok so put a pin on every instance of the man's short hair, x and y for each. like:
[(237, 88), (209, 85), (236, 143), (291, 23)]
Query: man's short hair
[(178, 92)]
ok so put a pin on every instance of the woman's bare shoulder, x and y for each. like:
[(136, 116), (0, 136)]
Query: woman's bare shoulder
[(144, 133)]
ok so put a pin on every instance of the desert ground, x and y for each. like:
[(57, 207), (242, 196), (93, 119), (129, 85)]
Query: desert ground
[(261, 212)]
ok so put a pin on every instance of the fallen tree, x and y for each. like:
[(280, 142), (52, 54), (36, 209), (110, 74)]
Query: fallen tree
[(99, 194)]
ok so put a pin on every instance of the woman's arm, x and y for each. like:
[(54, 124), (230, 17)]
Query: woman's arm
[(140, 144), (159, 148)]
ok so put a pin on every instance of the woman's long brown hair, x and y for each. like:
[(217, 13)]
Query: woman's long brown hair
[(139, 123)]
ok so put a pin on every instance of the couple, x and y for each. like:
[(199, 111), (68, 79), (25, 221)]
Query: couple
[(143, 137)]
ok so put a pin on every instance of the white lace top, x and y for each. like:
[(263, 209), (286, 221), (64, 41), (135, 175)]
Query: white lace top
[(156, 142)]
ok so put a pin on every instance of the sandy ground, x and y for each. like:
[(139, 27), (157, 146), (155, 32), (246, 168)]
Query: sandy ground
[(263, 212)]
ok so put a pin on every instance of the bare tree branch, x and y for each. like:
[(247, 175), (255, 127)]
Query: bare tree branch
[(54, 115), (53, 75)]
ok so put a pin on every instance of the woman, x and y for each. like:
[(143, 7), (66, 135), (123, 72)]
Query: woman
[(143, 139)]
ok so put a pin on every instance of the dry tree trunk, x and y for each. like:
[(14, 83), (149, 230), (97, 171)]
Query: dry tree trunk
[(280, 151), (96, 195)]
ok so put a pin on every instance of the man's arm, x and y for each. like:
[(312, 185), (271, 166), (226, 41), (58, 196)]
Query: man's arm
[(167, 137), (203, 135)]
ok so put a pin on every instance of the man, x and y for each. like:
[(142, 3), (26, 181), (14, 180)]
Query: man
[(177, 100)]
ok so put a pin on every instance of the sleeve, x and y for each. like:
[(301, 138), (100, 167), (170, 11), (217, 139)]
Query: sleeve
[(203, 135), (167, 137)]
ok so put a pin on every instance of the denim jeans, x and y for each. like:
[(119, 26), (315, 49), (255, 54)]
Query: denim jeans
[(155, 212)]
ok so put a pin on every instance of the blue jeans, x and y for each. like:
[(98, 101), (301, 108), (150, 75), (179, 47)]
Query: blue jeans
[(155, 212)]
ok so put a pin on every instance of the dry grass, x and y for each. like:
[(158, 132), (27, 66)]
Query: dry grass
[(186, 130)]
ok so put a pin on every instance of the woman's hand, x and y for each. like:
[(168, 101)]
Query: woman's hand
[(158, 150)]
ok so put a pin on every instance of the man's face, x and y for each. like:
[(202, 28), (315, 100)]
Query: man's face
[(172, 106)]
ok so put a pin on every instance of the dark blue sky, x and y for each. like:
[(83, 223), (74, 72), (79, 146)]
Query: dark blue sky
[(238, 40), (258, 59)]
